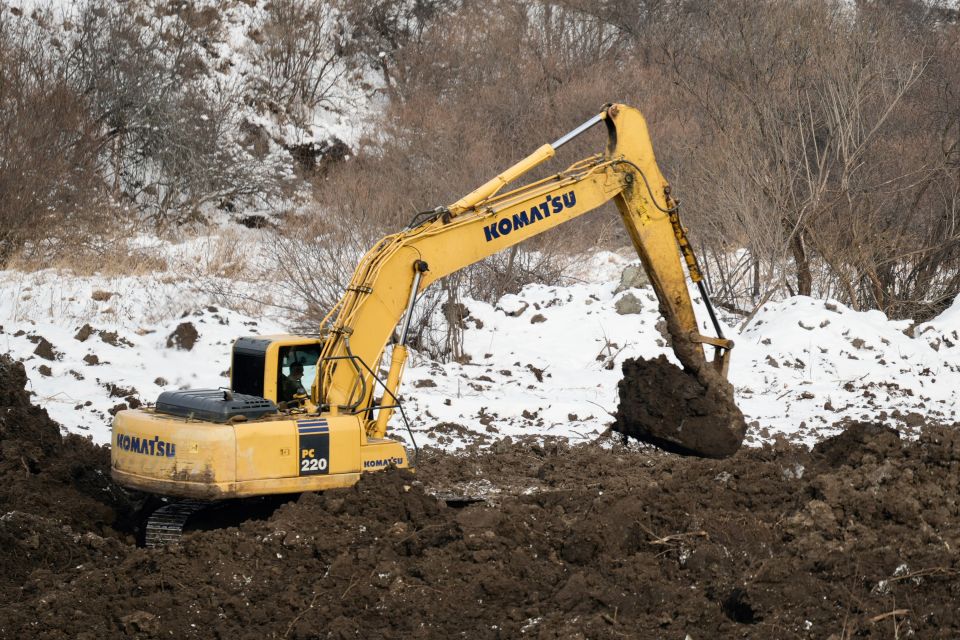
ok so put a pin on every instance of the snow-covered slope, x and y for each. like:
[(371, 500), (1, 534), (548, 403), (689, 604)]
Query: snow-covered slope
[(546, 361), (799, 368), (232, 56), (80, 374), (241, 92)]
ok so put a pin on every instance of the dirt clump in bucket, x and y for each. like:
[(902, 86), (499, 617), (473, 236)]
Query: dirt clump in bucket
[(688, 411), (663, 405)]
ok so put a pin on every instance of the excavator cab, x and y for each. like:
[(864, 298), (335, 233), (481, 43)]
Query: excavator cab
[(261, 363)]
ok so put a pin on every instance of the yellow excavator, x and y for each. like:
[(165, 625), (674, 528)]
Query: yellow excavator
[(309, 413)]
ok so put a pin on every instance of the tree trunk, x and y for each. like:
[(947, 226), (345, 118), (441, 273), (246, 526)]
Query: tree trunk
[(804, 276)]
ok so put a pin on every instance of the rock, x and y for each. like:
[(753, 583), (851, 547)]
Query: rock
[(116, 391), (91, 359), (110, 337), (117, 408), (101, 296), (140, 622), (632, 277), (516, 313), (45, 350), (44, 370), (821, 516), (538, 319), (161, 382), (85, 332), (114, 339), (183, 337), (628, 304), (537, 372), (661, 328), (93, 541)]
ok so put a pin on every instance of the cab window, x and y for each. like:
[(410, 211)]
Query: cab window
[(304, 355)]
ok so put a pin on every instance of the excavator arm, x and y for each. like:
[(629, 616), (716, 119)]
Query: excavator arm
[(391, 275)]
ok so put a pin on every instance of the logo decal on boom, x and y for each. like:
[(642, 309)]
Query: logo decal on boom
[(551, 205)]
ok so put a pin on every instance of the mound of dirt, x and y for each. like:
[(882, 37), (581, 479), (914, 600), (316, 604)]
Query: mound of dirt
[(183, 337), (50, 487), (858, 537)]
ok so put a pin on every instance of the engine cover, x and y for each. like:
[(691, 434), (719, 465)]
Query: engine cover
[(213, 405)]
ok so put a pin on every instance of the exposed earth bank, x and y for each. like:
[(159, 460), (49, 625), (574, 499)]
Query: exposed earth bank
[(857, 538)]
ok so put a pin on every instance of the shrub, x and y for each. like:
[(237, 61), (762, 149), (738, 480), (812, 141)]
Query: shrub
[(48, 182)]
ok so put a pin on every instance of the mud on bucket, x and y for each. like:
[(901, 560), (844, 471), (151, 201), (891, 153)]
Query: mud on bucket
[(685, 412)]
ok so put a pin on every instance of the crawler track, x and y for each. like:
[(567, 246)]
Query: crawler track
[(165, 525)]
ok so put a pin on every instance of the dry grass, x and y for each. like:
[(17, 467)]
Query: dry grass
[(108, 253)]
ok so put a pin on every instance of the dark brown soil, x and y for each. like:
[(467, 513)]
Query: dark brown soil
[(53, 489), (666, 406), (857, 538), (45, 349), (183, 337)]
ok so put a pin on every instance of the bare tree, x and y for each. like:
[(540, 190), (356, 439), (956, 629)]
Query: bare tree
[(301, 58), (167, 126), (48, 181), (807, 112)]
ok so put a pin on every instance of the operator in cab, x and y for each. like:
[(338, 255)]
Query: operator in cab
[(292, 384)]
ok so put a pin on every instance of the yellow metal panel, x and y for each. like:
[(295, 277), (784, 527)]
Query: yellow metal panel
[(165, 447), (266, 450), (643, 207), (215, 461), (299, 447), (382, 453), (344, 444)]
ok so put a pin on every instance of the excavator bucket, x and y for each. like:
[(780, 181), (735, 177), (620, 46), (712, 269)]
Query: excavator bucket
[(689, 411)]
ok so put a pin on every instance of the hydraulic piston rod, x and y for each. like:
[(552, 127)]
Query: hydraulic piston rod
[(564, 139), (398, 356), (538, 157)]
